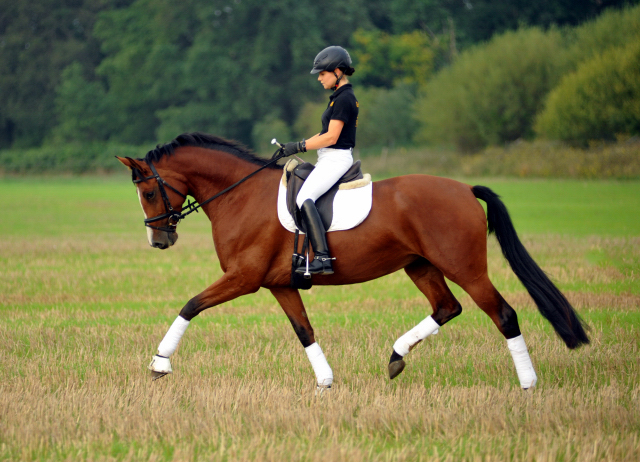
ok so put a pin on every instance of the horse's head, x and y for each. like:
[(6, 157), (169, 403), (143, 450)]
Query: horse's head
[(161, 199)]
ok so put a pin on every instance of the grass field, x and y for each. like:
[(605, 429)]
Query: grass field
[(84, 302)]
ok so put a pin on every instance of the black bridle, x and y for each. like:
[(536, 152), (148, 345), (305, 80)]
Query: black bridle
[(174, 216)]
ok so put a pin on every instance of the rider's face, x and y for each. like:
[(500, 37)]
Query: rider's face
[(327, 79)]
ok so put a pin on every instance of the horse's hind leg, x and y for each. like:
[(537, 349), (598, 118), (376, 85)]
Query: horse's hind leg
[(505, 318), (293, 307), (431, 283)]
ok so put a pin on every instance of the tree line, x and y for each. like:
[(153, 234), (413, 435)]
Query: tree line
[(140, 71)]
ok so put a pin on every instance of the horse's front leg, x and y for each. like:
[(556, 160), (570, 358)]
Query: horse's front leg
[(293, 307), (231, 285)]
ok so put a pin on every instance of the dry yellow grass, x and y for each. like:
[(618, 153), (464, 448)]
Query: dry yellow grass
[(81, 319), (246, 393)]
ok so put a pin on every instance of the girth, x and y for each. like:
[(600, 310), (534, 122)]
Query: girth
[(324, 204)]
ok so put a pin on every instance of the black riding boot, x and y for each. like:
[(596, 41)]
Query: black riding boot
[(321, 264)]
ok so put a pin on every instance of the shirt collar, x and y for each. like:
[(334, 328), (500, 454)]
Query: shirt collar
[(339, 90)]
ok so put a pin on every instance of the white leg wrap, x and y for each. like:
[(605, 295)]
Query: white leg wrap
[(521, 359), (405, 343), (324, 374), (170, 341)]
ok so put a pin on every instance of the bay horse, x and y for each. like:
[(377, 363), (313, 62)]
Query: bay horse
[(433, 228)]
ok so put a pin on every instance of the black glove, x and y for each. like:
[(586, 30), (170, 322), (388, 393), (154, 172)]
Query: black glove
[(294, 148)]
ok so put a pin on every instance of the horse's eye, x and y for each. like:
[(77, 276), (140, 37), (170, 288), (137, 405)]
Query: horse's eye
[(150, 195)]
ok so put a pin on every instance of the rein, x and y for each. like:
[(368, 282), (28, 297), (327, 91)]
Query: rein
[(175, 216)]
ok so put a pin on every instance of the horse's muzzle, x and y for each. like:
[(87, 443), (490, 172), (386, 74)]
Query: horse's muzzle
[(164, 240)]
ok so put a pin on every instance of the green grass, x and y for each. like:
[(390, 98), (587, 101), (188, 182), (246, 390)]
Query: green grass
[(84, 302), (81, 205), (571, 207), (600, 218)]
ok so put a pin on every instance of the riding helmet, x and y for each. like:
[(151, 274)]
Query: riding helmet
[(330, 59)]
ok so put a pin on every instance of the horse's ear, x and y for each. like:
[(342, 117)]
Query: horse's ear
[(129, 162)]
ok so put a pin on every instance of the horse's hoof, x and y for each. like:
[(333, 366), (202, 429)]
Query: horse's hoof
[(323, 390), (395, 368), (157, 375), (159, 367)]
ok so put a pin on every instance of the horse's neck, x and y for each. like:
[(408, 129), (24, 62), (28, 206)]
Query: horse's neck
[(208, 172)]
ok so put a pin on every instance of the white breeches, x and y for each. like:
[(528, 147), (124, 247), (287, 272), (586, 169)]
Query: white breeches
[(331, 165)]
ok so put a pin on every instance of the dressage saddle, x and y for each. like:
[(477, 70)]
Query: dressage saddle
[(324, 204)]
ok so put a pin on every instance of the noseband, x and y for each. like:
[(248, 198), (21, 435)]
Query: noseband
[(175, 216)]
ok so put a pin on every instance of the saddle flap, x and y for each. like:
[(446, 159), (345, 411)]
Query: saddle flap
[(295, 180), (303, 170)]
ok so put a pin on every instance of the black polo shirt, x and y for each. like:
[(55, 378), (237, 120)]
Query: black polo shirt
[(343, 106)]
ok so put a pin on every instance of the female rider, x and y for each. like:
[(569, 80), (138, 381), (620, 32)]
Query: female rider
[(335, 145)]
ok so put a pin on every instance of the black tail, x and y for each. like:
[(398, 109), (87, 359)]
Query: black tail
[(550, 301)]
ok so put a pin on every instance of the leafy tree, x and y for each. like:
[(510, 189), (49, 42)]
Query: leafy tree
[(614, 28), (250, 61), (38, 39), (386, 116), (267, 129), (384, 60), (476, 21), (491, 94), (144, 46), (157, 67), (82, 107), (598, 101)]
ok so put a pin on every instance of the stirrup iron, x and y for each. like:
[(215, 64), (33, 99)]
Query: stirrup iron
[(307, 274)]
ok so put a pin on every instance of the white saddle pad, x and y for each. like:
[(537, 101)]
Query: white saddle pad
[(350, 206)]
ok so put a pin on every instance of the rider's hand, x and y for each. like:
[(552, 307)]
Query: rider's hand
[(294, 148)]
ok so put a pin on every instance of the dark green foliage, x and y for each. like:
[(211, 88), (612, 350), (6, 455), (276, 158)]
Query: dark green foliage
[(192, 117), (308, 122), (141, 71), (601, 99), (614, 28), (491, 94), (384, 60), (473, 21), (386, 116), (267, 129), (82, 109), (479, 20), (38, 39), (144, 46), (67, 158), (250, 61), (598, 101)]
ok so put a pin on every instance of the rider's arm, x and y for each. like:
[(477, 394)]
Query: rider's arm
[(326, 139)]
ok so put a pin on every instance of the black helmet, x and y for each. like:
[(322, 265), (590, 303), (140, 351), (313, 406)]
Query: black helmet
[(330, 59)]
